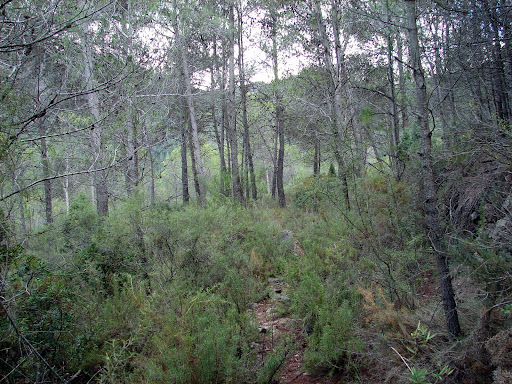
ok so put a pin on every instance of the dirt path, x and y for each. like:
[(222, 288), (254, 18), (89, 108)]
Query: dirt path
[(276, 327)]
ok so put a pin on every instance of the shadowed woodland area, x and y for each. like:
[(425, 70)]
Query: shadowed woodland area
[(276, 191)]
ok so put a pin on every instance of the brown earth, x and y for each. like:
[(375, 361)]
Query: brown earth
[(275, 328)]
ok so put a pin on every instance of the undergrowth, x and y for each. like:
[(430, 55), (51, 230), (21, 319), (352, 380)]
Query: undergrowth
[(164, 293)]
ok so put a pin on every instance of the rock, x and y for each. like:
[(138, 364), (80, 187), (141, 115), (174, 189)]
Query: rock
[(502, 234), (507, 205), (274, 281), (287, 237), (283, 298), (502, 376)]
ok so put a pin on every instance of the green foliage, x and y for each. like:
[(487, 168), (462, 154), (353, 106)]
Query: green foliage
[(204, 340), (418, 376), (332, 171), (332, 344), (322, 191), (423, 376), (273, 363), (44, 311), (321, 291), (81, 224), (422, 334)]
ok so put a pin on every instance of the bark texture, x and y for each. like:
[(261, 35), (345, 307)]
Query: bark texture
[(431, 212)]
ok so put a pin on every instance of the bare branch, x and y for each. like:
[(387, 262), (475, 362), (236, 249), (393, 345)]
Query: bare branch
[(28, 343)]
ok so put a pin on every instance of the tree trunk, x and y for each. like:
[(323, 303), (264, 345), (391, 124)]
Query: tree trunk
[(132, 173), (280, 157), (334, 85), (274, 164), (251, 178), (184, 166), (316, 160), (131, 154), (503, 102), (196, 147), (431, 213), (46, 175), (279, 174), (96, 133), (21, 208), (395, 128), (195, 174), (269, 184), (233, 139), (223, 129), (193, 124), (402, 84), (152, 175), (65, 183)]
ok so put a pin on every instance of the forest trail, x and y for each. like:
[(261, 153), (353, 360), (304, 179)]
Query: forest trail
[(276, 327)]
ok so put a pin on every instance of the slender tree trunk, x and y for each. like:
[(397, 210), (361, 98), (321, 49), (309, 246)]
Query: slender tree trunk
[(46, 174), (152, 180), (395, 128), (228, 150), (233, 139), (96, 134), (223, 128), (184, 166), (196, 147), (503, 102), (131, 154), (431, 213), (92, 190), (269, 184), (402, 84), (274, 164), (250, 177), (334, 85), (65, 185), (195, 174), (132, 173), (248, 180), (316, 160), (279, 175), (214, 111), (342, 172), (451, 83), (219, 137), (280, 157), (21, 208)]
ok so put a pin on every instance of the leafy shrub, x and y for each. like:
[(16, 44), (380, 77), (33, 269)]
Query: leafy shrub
[(81, 224), (41, 312), (204, 339), (318, 192), (321, 297), (332, 344)]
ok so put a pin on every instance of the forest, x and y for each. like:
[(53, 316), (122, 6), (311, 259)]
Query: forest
[(247, 191)]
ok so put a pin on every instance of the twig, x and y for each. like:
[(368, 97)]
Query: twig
[(31, 347), (403, 359)]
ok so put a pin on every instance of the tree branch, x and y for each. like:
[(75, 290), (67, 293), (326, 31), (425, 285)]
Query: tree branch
[(29, 344)]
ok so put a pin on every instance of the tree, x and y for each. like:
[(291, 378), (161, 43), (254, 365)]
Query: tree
[(181, 40), (249, 163), (336, 79), (232, 135), (96, 135), (279, 111), (434, 231)]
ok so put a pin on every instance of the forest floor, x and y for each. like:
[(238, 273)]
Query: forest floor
[(276, 327)]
